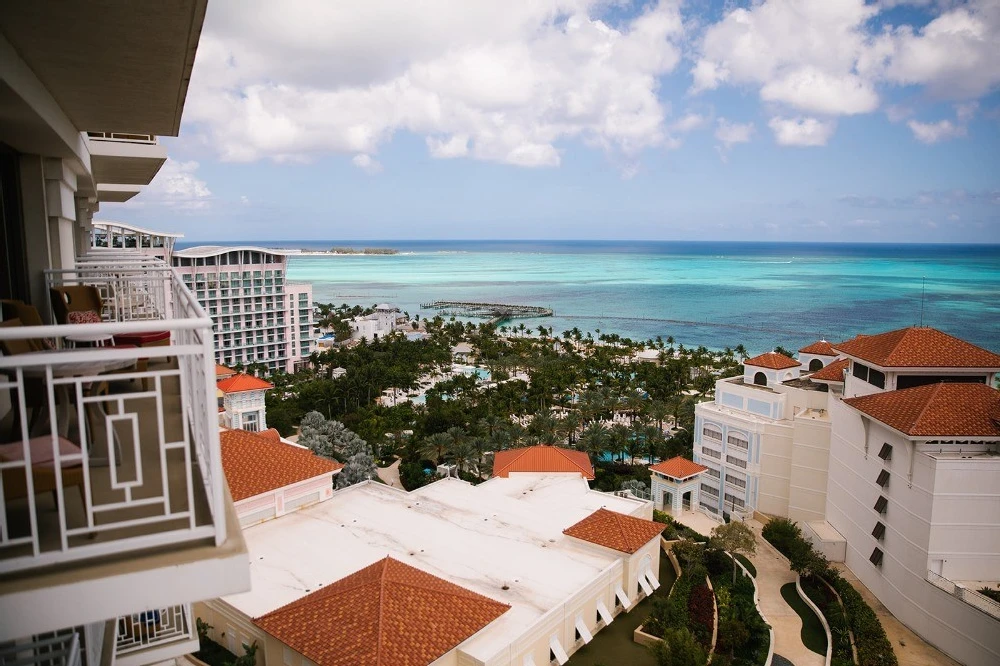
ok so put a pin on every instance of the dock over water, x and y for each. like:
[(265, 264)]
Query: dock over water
[(494, 312)]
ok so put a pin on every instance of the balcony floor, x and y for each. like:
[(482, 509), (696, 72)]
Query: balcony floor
[(160, 478)]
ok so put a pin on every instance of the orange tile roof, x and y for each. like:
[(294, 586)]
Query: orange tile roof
[(820, 348), (832, 372), (254, 464), (242, 382), (614, 530), (678, 467), (936, 410), (542, 458), (387, 614), (221, 371), (772, 360), (917, 347)]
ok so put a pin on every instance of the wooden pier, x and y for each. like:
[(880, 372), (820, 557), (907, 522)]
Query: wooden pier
[(495, 313)]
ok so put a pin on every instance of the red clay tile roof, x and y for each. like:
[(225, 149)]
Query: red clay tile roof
[(917, 347), (936, 410), (832, 372), (242, 382), (773, 361), (387, 614), (820, 347), (542, 459), (614, 530), (678, 467), (254, 464), (221, 371)]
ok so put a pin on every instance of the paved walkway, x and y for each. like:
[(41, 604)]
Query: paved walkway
[(910, 649), (390, 474), (772, 574)]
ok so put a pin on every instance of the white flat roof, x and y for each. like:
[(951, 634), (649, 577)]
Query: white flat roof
[(503, 532), (212, 250)]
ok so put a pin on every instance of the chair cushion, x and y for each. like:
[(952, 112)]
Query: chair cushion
[(140, 339), (41, 451), (83, 317)]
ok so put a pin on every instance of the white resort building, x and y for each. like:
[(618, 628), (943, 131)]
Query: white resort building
[(259, 316), (125, 237), (888, 455), (522, 569), (765, 440), (377, 325), (243, 402), (115, 511)]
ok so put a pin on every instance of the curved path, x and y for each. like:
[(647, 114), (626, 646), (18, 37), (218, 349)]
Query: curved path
[(772, 574)]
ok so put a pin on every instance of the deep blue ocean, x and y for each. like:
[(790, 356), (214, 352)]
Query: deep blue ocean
[(715, 294)]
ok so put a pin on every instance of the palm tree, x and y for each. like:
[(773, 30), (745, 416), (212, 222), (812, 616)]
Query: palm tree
[(569, 426), (461, 452), (620, 438), (658, 411), (594, 440), (435, 446)]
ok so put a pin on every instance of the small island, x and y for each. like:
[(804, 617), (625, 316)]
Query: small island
[(367, 250)]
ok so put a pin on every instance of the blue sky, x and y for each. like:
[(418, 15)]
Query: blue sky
[(777, 120)]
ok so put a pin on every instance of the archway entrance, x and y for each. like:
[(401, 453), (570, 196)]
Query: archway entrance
[(686, 501), (760, 379), (815, 364)]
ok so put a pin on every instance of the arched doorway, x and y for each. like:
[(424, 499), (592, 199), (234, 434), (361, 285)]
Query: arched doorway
[(760, 379), (815, 364)]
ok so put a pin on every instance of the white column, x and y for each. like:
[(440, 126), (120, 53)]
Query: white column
[(36, 230), (60, 200)]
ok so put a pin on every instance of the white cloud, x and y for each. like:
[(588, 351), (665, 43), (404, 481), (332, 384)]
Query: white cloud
[(801, 131), (943, 130), (730, 134), (864, 223), (366, 163), (176, 185), (935, 132), (500, 81), (831, 58), (689, 123)]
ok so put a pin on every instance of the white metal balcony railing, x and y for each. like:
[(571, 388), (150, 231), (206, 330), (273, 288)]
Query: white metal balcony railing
[(969, 596), (59, 650), (155, 635), (114, 448), (122, 137)]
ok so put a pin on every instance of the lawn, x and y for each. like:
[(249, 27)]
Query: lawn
[(748, 564), (813, 636), (614, 644)]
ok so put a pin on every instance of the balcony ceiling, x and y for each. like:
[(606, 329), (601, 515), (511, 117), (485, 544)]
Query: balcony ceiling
[(124, 162), (111, 65)]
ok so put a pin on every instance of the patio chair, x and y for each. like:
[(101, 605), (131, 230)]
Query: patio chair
[(77, 304), (34, 388), (43, 474)]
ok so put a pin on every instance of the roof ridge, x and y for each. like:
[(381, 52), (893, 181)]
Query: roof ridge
[(381, 608), (621, 528), (565, 454), (930, 399), (513, 459)]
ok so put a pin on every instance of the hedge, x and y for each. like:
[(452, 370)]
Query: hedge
[(872, 644)]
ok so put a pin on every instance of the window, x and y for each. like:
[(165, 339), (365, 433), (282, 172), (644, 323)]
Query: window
[(709, 490), (883, 478), (860, 371), (881, 503), (733, 500), (886, 452), (711, 453), (879, 530), (736, 462), (736, 481), (815, 365), (712, 433), (738, 441), (876, 378), (760, 379), (711, 471), (876, 557)]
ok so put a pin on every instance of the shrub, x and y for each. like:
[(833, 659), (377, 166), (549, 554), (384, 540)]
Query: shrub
[(679, 648), (717, 562), (701, 613), (991, 593), (781, 533), (874, 648)]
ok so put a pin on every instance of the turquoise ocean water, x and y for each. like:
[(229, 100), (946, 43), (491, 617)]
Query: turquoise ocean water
[(715, 294)]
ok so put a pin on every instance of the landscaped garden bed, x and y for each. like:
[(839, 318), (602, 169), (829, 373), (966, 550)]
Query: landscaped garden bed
[(845, 610)]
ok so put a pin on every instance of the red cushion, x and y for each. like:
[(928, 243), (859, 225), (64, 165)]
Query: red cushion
[(83, 317), (140, 339)]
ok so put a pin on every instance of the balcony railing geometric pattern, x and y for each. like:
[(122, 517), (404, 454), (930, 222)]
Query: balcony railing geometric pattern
[(156, 628), (118, 446), (59, 650)]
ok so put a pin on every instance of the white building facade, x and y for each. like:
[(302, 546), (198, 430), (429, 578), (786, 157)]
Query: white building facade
[(377, 325), (259, 317), (913, 484), (101, 562)]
